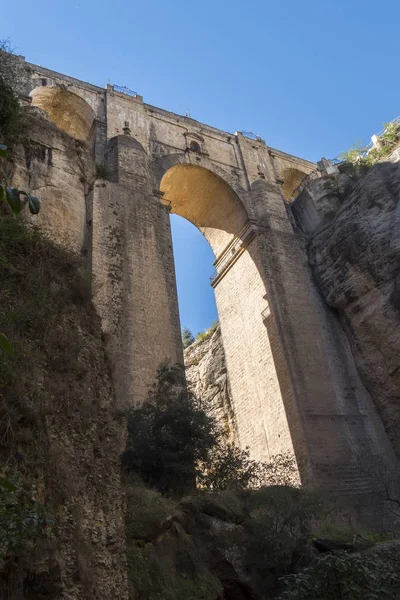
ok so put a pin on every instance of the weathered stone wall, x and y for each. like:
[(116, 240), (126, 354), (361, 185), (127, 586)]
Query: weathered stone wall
[(59, 170), (134, 273), (356, 260), (60, 433)]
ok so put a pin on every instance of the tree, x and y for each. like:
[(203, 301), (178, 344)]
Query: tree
[(187, 337), (169, 434), (12, 82), (172, 444)]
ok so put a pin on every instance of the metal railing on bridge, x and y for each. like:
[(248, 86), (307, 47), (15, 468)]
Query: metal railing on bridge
[(124, 90)]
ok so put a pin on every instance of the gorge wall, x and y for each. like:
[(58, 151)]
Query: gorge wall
[(356, 262), (294, 385), (60, 435), (310, 311), (207, 377)]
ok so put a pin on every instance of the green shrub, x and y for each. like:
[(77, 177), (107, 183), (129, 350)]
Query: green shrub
[(281, 516), (10, 110), (342, 576), (172, 443), (359, 155), (163, 562), (168, 435), (10, 114), (21, 519), (172, 575), (229, 467), (205, 335), (146, 511)]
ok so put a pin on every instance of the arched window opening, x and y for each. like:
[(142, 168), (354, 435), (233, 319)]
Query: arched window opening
[(195, 147)]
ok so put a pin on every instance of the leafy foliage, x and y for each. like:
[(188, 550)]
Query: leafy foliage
[(230, 467), (5, 344), (341, 576), (354, 154), (204, 335), (363, 156), (10, 111), (172, 443), (167, 566), (13, 198), (187, 337), (169, 434), (281, 516)]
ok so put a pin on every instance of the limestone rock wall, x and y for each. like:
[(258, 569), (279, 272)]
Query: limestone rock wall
[(207, 376), (356, 262), (61, 406), (60, 171)]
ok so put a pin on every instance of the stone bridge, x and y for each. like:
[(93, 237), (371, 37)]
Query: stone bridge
[(293, 379)]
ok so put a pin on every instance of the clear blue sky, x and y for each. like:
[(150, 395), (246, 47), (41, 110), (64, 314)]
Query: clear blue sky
[(309, 77)]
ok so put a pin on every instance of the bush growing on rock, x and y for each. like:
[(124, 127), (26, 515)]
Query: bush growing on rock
[(204, 335), (172, 443), (168, 435), (281, 518), (343, 576), (21, 520)]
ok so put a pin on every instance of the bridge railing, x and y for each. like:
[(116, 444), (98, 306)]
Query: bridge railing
[(124, 90)]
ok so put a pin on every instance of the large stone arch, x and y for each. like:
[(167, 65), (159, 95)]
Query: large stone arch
[(207, 201), (67, 110), (284, 353), (204, 197), (161, 164)]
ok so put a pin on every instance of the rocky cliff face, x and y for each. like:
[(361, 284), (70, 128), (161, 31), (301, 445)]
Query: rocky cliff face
[(60, 438), (208, 378), (60, 171), (356, 262)]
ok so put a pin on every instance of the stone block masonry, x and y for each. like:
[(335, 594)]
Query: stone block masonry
[(294, 384)]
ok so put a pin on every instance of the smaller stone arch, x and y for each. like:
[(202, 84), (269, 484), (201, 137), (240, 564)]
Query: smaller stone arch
[(291, 178), (68, 111)]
